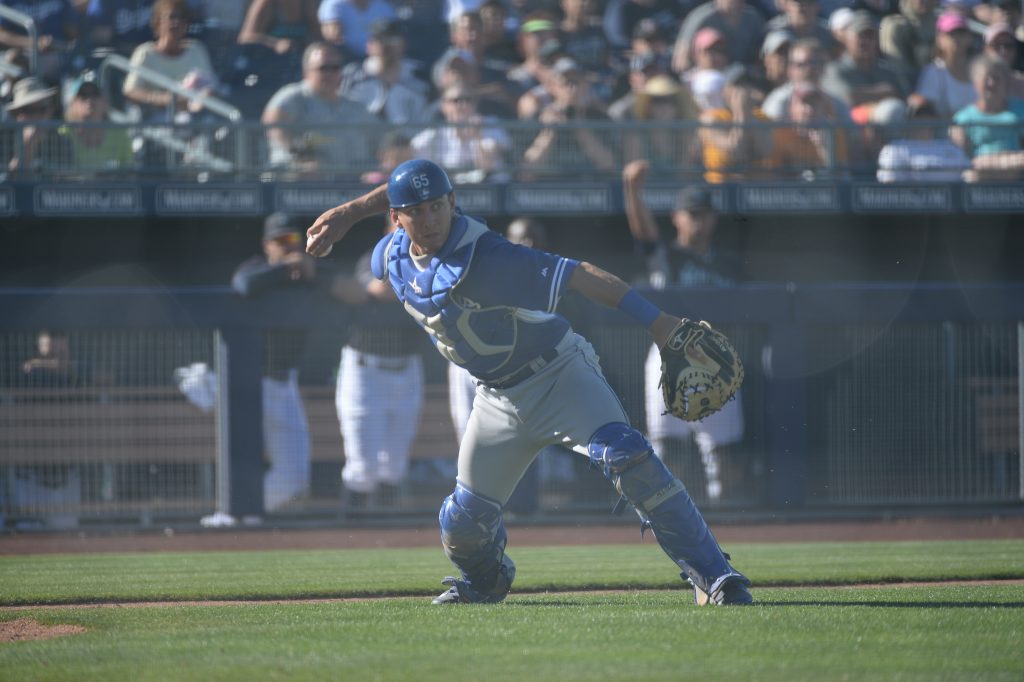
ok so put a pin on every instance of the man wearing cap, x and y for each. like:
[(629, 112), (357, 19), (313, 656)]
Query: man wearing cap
[(538, 44), (775, 57), (386, 83), (743, 25), (806, 64), (692, 259), (41, 148), (315, 103), (858, 77), (642, 67), (94, 149), (572, 148), (353, 19)]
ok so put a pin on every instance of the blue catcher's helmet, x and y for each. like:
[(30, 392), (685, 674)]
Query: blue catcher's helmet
[(416, 181)]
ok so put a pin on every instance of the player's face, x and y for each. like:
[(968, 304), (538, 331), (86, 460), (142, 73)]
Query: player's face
[(428, 224)]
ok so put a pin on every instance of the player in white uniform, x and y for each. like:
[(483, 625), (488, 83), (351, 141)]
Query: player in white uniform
[(690, 260), (488, 305), (378, 398)]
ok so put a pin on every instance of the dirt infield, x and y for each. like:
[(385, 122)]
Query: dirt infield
[(922, 528)]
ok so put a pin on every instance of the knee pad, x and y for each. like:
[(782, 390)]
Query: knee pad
[(617, 446), (473, 536)]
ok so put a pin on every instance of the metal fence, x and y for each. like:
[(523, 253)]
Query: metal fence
[(917, 410), (215, 148)]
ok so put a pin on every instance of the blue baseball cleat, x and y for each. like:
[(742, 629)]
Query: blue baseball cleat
[(462, 592)]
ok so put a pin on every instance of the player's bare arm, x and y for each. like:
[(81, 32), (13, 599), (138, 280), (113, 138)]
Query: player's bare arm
[(602, 287), (333, 224)]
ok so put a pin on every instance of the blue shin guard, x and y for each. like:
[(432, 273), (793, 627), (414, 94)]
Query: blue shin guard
[(663, 503), (474, 539)]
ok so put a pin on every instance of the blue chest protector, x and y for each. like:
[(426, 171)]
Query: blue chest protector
[(489, 340)]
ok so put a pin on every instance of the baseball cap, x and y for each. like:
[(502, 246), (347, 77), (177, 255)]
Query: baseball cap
[(840, 19), (535, 25), (86, 82), (386, 28), (279, 224), (706, 37), (648, 29), (861, 21), (565, 66), (693, 198), (950, 21), (996, 30), (706, 86), (662, 85), (774, 41)]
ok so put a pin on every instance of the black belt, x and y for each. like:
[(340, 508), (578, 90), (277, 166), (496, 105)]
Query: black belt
[(524, 372)]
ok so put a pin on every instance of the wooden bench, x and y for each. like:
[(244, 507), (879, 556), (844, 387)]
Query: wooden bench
[(997, 414), (157, 424)]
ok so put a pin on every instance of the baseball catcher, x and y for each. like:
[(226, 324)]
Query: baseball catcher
[(700, 371)]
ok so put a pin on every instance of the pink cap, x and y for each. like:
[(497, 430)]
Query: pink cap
[(996, 30), (951, 21), (706, 37)]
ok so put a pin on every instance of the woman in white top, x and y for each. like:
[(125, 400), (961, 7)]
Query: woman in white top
[(170, 54), (946, 82)]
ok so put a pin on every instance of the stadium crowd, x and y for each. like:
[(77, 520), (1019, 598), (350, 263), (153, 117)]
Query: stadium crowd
[(901, 90)]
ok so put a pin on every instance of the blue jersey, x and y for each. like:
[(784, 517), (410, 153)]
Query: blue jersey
[(487, 304)]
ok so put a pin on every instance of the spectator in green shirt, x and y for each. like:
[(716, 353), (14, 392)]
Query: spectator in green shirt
[(95, 148)]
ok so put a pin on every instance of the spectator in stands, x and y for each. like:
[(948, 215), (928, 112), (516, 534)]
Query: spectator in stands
[(642, 68), (52, 365), (471, 147), (131, 23), (538, 45), (946, 82), (584, 41), (710, 54), (42, 149), (670, 149), (922, 152), (353, 19), (464, 63), (386, 83), (171, 55), (814, 147), (743, 25), (802, 19), (378, 397), (989, 130), (282, 26), (806, 64), (838, 22), (736, 151), (55, 33), (859, 78), (691, 259), (908, 38), (499, 43), (623, 18), (94, 149), (572, 148), (1000, 43), (311, 114), (775, 57), (394, 148)]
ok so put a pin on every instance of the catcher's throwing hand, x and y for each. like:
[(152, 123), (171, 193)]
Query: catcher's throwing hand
[(327, 229), (700, 370)]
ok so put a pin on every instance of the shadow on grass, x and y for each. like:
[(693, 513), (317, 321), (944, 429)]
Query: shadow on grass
[(901, 604)]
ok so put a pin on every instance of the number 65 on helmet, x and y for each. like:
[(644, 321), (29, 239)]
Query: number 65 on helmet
[(416, 181)]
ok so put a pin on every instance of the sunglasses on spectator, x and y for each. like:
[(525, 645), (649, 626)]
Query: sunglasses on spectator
[(327, 67), (807, 63), (460, 99), (290, 239)]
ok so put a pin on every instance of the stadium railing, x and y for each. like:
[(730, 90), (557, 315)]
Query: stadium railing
[(858, 399)]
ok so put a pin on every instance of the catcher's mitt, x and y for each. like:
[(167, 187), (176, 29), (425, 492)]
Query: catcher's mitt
[(700, 371)]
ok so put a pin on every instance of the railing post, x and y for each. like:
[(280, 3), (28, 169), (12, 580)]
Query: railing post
[(240, 466)]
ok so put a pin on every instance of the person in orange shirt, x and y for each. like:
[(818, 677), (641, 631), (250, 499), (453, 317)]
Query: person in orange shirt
[(734, 145), (814, 147)]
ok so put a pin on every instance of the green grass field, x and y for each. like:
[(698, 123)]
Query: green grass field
[(811, 622)]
